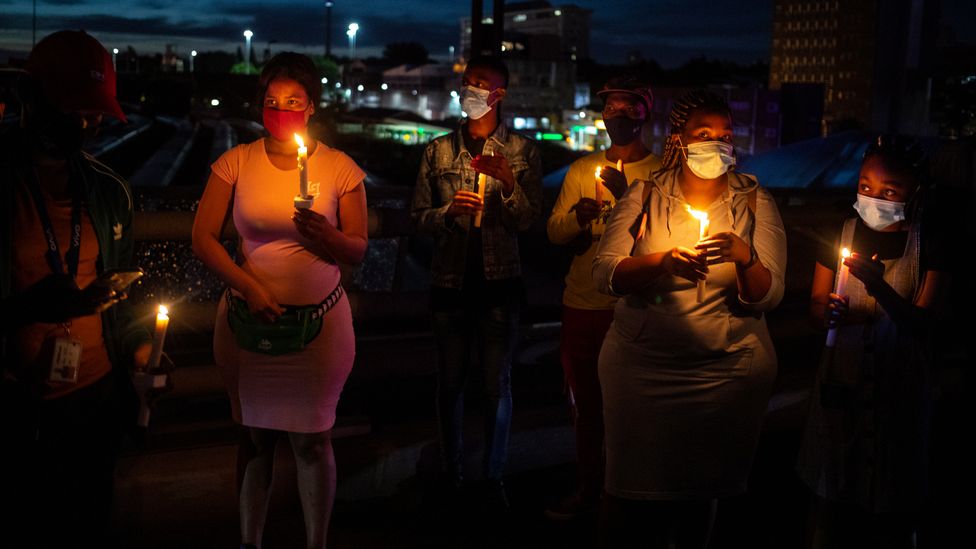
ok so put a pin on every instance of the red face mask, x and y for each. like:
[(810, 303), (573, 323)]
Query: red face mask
[(283, 125)]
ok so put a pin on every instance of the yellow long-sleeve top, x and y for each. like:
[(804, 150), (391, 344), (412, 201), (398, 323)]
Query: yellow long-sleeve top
[(563, 227)]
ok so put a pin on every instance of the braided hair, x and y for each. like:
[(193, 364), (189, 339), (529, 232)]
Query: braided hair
[(681, 112)]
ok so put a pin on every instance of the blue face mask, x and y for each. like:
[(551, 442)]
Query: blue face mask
[(710, 159), (878, 213)]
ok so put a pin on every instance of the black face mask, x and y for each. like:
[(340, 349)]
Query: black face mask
[(62, 134), (623, 130)]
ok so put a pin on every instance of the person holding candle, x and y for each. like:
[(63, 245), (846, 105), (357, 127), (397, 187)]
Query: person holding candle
[(68, 345), (579, 219), (864, 450), (477, 287), (287, 265), (685, 383)]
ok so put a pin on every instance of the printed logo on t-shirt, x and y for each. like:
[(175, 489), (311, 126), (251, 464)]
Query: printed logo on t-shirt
[(313, 188)]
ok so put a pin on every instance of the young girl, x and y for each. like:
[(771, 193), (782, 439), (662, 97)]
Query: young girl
[(865, 448)]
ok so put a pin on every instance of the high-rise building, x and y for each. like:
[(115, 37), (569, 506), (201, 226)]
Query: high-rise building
[(541, 45), (870, 56), (568, 22)]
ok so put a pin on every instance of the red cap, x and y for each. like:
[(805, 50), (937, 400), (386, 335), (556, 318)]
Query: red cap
[(75, 73), (631, 85)]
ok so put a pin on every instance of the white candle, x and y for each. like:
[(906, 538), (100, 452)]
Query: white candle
[(840, 288), (598, 187), (144, 384), (482, 183), (703, 222), (302, 171), (162, 323)]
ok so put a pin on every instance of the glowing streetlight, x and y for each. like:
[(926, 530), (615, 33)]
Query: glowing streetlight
[(115, 52), (384, 87), (247, 51), (351, 33), (193, 56)]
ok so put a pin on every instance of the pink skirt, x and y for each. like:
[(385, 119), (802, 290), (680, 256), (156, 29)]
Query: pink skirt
[(297, 392)]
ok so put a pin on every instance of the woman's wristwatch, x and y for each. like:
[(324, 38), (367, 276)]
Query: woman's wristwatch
[(753, 258)]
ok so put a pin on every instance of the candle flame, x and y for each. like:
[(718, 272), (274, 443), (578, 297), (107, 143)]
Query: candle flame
[(845, 253), (699, 215), (163, 310), (597, 172), (298, 139)]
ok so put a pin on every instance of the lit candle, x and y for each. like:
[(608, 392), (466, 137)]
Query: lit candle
[(302, 172), (702, 218), (598, 187), (620, 165), (162, 323), (840, 288), (482, 183)]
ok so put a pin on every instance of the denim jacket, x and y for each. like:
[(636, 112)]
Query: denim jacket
[(445, 169)]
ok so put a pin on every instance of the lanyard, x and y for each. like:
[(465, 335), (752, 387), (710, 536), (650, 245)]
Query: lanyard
[(53, 252)]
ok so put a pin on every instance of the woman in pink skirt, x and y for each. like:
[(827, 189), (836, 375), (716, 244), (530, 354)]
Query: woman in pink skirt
[(286, 275)]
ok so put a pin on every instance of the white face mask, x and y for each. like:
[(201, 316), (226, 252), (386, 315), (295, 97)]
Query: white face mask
[(878, 213), (710, 159), (474, 102)]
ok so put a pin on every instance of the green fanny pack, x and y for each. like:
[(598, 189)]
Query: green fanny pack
[(290, 333)]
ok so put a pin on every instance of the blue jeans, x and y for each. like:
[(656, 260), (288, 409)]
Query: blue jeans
[(491, 331)]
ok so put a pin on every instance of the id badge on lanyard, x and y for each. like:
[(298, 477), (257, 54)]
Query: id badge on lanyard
[(66, 358)]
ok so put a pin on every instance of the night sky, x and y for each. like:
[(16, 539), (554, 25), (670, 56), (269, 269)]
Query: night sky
[(669, 31)]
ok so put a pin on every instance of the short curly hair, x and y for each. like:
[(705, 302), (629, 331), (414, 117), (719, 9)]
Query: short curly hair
[(294, 66)]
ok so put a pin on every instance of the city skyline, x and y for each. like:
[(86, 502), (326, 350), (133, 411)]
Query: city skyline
[(618, 28)]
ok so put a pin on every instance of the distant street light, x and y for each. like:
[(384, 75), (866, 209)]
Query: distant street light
[(351, 33), (193, 55), (115, 53), (247, 51), (384, 87), (328, 29)]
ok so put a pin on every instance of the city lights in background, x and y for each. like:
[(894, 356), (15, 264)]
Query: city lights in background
[(351, 33), (247, 50)]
